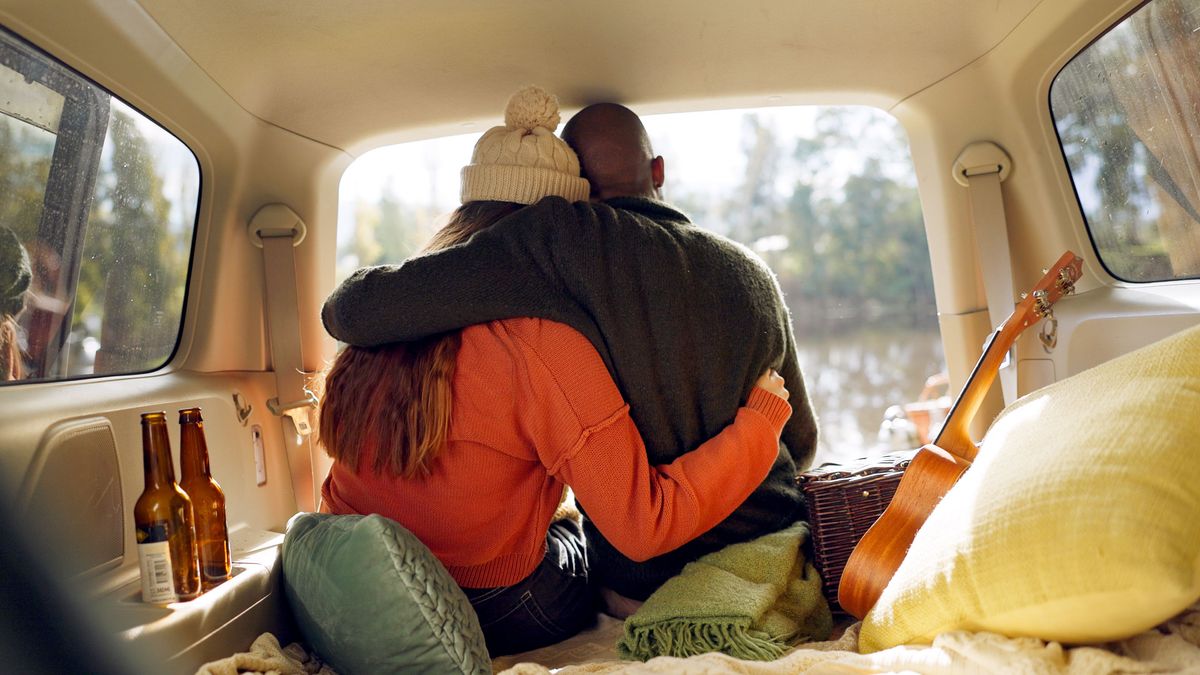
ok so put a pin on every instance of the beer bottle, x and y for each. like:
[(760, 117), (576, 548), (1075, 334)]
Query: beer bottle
[(166, 535), (208, 501)]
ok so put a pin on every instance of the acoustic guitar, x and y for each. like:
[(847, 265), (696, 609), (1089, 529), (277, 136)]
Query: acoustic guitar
[(937, 466)]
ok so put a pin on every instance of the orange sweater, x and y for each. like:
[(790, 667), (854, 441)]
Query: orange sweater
[(534, 409)]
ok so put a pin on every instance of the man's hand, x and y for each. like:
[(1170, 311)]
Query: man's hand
[(772, 382)]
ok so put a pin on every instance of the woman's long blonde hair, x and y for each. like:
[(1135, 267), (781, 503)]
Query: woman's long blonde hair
[(393, 402)]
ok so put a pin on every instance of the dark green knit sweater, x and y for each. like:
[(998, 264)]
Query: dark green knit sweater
[(685, 320)]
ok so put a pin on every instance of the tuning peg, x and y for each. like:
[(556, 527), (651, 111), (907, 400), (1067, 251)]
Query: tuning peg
[(1041, 303)]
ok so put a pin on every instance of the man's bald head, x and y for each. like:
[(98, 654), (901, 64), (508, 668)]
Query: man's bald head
[(615, 152)]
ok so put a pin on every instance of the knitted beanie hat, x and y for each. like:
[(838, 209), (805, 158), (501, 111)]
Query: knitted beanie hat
[(523, 160), (15, 273)]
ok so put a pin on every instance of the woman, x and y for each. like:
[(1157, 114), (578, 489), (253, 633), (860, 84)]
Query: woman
[(468, 439)]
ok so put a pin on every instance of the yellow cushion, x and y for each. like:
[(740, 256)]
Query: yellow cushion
[(1079, 521)]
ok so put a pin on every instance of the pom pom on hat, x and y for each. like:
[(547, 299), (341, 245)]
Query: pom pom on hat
[(532, 107), (523, 161)]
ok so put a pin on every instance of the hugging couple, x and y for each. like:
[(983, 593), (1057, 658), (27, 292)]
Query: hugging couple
[(566, 328)]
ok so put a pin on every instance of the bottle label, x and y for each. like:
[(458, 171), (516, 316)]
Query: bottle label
[(154, 562)]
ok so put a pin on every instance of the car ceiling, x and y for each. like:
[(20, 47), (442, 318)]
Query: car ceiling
[(355, 74)]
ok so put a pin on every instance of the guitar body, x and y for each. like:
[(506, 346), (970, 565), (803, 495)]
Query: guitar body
[(937, 467), (930, 474)]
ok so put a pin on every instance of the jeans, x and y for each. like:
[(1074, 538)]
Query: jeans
[(553, 603)]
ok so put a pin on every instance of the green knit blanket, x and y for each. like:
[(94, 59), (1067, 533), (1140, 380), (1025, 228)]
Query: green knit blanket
[(749, 600)]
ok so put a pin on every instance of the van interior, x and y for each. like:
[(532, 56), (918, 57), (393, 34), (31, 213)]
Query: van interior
[(173, 171)]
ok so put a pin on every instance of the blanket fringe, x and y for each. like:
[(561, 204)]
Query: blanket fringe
[(683, 639)]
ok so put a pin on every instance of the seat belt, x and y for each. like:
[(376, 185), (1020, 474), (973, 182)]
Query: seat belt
[(278, 231), (980, 168)]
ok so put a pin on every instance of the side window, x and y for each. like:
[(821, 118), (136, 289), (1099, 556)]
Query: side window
[(1127, 111), (825, 195), (97, 212)]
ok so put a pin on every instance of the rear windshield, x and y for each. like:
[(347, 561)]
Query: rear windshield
[(825, 195)]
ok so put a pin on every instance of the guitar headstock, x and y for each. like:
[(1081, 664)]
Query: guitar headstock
[(1057, 281)]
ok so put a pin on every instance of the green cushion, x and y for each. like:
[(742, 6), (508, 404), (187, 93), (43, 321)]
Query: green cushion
[(370, 598)]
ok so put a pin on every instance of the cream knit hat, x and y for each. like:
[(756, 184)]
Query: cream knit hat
[(523, 160)]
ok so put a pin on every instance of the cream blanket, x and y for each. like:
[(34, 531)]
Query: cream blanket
[(267, 657), (1173, 647)]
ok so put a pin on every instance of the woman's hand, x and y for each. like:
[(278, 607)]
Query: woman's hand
[(772, 382)]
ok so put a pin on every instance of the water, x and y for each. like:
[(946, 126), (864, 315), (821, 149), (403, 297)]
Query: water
[(853, 375)]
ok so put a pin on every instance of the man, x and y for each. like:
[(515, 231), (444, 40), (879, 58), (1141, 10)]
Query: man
[(685, 320)]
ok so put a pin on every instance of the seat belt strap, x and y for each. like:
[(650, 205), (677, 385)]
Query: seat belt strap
[(280, 230), (981, 167)]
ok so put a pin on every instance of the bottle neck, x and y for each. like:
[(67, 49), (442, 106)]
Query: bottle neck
[(193, 451), (156, 454)]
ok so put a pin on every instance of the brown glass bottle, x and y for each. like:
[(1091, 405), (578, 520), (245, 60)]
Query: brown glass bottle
[(208, 501), (163, 515)]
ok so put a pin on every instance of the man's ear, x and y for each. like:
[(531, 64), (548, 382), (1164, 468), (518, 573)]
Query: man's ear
[(657, 171)]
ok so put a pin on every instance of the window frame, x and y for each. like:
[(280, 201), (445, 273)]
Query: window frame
[(69, 203), (1066, 164)]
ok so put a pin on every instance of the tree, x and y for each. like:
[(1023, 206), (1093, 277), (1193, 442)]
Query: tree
[(848, 241), (386, 231), (131, 281), (754, 208), (25, 153)]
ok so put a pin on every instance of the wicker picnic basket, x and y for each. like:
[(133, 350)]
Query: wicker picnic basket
[(842, 501)]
